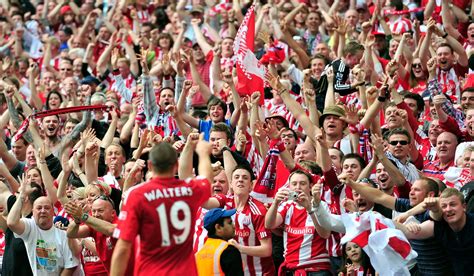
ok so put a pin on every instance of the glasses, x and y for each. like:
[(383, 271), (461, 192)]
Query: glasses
[(287, 136), (416, 65), (106, 198), (401, 142)]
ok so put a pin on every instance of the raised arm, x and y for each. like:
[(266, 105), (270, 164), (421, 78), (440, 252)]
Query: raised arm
[(181, 108), (374, 194), (201, 40), (46, 174)]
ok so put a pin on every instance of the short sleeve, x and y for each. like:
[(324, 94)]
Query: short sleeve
[(203, 188), (222, 200), (70, 260), (282, 209), (259, 224), (29, 224), (127, 228)]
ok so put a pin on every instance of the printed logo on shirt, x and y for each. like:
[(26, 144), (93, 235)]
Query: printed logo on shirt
[(242, 233), (46, 256), (299, 230)]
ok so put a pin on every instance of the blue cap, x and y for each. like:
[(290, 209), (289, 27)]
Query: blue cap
[(90, 80), (215, 214)]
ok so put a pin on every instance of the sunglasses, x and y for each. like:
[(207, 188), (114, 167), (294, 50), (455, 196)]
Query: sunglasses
[(287, 136), (416, 65), (401, 142), (106, 198)]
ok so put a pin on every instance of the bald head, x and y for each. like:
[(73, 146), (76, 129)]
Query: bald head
[(43, 212)]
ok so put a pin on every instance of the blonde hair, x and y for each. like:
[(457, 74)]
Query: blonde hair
[(104, 188)]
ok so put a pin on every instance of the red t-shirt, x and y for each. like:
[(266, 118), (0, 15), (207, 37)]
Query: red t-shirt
[(92, 264), (163, 213)]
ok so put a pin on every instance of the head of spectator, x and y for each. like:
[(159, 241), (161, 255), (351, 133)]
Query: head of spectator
[(352, 165), (166, 98), (220, 134), (139, 173), (434, 131), (96, 189), (317, 65), (399, 144), (323, 50), (469, 122), (364, 204), (463, 161), (301, 182), (103, 208), (98, 99), (220, 184), (22, 65), (49, 81), (289, 138), (279, 121), (353, 256), (336, 156), (393, 118), (216, 109), (453, 208), (218, 223), (445, 56), (241, 182), (313, 21), (415, 102), (123, 65), (163, 160), (422, 188), (352, 18), (50, 126), (30, 156), (19, 149), (305, 152), (446, 147), (70, 124), (53, 100), (115, 158), (33, 175), (65, 69), (467, 98), (352, 53), (227, 46), (383, 178), (43, 213), (331, 121), (70, 85)]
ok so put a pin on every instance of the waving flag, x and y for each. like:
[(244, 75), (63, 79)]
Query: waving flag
[(250, 72), (388, 249)]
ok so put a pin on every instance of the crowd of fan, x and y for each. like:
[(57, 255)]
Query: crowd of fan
[(368, 107)]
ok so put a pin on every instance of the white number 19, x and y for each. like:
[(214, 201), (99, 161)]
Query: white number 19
[(178, 224)]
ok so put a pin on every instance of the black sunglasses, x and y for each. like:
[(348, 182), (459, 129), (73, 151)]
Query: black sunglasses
[(401, 142), (106, 198), (416, 65)]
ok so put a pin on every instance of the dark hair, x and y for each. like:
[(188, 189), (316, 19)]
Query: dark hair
[(446, 45), (341, 154), (307, 174), (37, 192), (244, 167), (468, 89), (353, 48), (420, 103), (312, 167), (211, 229), (222, 127), (49, 96), (292, 131), (399, 131), (355, 156), (163, 157), (216, 101), (320, 56), (431, 185), (365, 261), (72, 120)]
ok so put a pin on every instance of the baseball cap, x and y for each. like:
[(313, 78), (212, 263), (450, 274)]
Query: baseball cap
[(65, 9), (332, 110), (215, 214), (90, 80)]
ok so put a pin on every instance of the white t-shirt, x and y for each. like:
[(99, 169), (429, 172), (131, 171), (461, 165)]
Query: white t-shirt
[(48, 251)]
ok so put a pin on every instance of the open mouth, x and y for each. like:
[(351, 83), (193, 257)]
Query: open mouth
[(217, 189), (383, 179), (362, 204)]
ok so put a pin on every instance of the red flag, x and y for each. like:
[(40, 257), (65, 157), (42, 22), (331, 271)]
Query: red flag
[(250, 72)]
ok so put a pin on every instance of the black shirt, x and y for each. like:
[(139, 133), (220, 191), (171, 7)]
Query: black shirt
[(231, 260), (15, 258)]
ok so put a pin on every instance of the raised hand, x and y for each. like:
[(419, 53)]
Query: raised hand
[(351, 118), (255, 98), (193, 139), (275, 82), (377, 144), (203, 147), (309, 95), (431, 65)]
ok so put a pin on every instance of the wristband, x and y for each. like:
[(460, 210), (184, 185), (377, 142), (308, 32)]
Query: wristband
[(445, 35), (381, 99), (311, 212), (281, 92), (226, 148)]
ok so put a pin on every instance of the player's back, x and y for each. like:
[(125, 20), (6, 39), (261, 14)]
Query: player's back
[(165, 211)]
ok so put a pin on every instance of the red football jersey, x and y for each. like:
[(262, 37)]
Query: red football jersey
[(249, 230), (163, 213)]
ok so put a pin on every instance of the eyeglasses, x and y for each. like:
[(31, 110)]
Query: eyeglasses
[(401, 142), (106, 198), (287, 136), (416, 65)]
